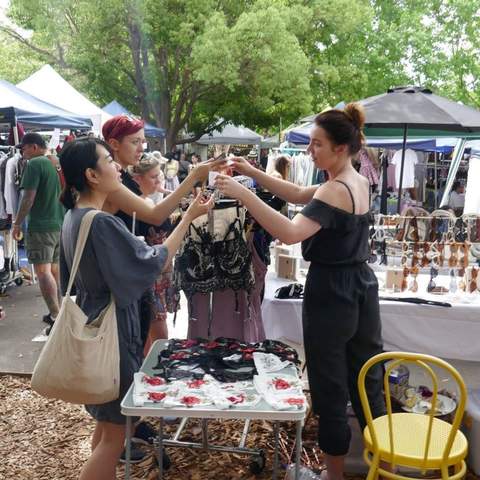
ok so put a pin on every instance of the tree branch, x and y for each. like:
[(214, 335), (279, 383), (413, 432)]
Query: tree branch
[(71, 22), (129, 74), (16, 36)]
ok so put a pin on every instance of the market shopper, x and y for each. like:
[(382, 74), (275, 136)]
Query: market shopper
[(147, 175), (126, 138), (40, 191), (456, 199), (114, 262), (281, 168), (341, 321), (183, 167)]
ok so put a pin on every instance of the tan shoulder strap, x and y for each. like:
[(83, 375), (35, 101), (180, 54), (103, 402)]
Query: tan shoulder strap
[(81, 240)]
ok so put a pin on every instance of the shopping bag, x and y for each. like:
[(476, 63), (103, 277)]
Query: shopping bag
[(80, 362)]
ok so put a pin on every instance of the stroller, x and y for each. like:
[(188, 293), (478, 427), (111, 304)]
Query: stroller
[(11, 274)]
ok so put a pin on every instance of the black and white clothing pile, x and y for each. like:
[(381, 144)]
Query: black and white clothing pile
[(224, 373)]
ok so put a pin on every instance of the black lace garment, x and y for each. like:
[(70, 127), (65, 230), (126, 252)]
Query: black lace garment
[(204, 264), (226, 359)]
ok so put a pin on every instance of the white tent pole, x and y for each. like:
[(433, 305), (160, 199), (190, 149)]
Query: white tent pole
[(402, 165), (15, 132), (456, 159)]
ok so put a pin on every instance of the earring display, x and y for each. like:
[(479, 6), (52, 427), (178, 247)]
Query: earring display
[(442, 248)]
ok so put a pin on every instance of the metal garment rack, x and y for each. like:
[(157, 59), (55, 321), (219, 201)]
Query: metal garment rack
[(15, 274), (261, 412)]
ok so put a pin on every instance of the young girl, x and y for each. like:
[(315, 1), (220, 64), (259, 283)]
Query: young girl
[(147, 174), (341, 321), (114, 262)]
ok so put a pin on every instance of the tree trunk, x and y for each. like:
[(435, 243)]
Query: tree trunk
[(136, 49), (163, 105)]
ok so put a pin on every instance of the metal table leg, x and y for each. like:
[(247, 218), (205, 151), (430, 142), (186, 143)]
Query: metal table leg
[(205, 434), (159, 450), (243, 439), (128, 437), (276, 429), (298, 441)]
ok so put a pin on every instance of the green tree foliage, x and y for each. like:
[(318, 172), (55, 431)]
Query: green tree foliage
[(16, 63), (183, 64), (186, 64)]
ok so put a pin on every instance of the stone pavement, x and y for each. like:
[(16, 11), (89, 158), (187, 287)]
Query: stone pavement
[(24, 309)]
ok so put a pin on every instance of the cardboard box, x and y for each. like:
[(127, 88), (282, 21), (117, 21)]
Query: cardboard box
[(287, 267), (280, 250), (394, 279)]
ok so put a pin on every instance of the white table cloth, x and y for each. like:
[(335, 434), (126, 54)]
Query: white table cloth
[(452, 333)]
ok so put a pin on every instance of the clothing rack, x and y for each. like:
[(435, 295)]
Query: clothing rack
[(278, 149)]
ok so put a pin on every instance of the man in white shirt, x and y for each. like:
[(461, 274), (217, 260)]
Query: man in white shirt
[(456, 199)]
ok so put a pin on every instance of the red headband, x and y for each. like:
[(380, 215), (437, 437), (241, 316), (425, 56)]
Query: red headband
[(120, 126)]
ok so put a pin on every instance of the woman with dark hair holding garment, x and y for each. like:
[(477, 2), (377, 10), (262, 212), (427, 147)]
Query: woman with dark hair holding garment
[(341, 321), (114, 262)]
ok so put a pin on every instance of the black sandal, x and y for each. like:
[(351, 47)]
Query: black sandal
[(48, 319)]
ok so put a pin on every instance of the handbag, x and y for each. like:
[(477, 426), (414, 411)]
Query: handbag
[(80, 363), (293, 290)]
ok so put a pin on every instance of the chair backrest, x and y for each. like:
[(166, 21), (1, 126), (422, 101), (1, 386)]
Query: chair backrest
[(443, 214), (425, 362), (411, 211)]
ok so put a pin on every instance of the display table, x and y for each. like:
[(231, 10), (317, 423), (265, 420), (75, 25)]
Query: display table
[(450, 333), (261, 411)]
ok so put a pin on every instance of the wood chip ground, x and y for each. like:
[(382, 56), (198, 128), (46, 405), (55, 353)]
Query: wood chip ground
[(50, 440)]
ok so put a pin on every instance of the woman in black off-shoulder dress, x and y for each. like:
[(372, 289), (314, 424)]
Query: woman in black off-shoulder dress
[(341, 319)]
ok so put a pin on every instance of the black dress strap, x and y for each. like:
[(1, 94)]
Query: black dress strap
[(349, 191)]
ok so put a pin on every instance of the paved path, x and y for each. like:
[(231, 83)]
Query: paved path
[(24, 309)]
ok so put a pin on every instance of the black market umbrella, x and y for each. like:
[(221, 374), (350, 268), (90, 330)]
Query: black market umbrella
[(416, 112)]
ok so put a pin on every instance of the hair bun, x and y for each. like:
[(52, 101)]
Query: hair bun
[(356, 113)]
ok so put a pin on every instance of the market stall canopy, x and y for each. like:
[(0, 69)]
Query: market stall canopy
[(17, 105), (311, 118), (231, 135), (270, 142), (426, 114), (411, 111), (115, 108), (51, 87), (301, 136)]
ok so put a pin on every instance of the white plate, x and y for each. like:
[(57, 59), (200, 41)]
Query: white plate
[(423, 406)]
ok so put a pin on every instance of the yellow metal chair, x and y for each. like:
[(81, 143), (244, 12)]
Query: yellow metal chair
[(415, 441)]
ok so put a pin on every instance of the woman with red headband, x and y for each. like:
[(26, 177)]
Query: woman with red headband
[(126, 137)]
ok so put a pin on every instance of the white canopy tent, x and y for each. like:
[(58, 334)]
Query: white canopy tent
[(231, 135), (49, 86)]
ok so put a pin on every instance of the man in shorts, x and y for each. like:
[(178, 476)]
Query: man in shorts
[(40, 202)]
